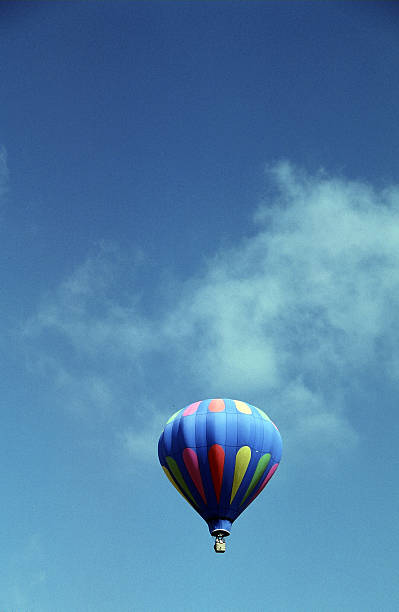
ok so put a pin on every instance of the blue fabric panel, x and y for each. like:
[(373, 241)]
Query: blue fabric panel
[(216, 428), (219, 524)]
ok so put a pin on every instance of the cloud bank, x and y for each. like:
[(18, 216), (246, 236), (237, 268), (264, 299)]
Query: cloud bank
[(293, 317)]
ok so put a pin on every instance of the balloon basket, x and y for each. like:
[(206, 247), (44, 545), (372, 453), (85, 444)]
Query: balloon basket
[(220, 544)]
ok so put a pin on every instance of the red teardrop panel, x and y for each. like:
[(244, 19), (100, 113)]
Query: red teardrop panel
[(216, 465)]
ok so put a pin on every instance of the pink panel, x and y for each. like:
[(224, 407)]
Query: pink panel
[(270, 474), (264, 483), (216, 405), (191, 462), (191, 408)]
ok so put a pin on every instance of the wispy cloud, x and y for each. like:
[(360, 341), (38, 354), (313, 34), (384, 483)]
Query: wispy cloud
[(290, 317), (26, 577), (87, 341), (140, 439)]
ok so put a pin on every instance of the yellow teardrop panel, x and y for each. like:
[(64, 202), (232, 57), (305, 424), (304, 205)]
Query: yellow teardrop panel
[(243, 458), (242, 407)]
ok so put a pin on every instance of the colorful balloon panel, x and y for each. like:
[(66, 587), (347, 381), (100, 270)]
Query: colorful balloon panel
[(191, 462), (220, 454), (216, 457)]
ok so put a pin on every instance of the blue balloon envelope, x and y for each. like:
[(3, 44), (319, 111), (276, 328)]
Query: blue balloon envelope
[(219, 454)]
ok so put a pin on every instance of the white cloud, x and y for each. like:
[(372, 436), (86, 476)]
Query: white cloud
[(303, 305), (290, 317), (140, 439)]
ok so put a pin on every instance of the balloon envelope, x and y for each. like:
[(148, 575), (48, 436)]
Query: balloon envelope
[(219, 454)]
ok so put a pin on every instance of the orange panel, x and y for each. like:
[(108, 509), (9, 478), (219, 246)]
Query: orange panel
[(216, 405)]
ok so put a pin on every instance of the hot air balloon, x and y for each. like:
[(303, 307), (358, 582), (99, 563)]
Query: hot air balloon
[(219, 454)]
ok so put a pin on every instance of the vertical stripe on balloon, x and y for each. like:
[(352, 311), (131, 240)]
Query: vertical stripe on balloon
[(263, 414), (174, 468), (242, 407), (264, 483), (175, 485), (243, 458), (191, 409), (173, 416), (191, 462), (260, 468), (216, 405), (216, 465)]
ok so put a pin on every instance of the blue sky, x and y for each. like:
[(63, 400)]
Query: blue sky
[(198, 199)]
